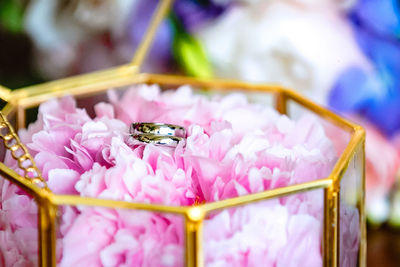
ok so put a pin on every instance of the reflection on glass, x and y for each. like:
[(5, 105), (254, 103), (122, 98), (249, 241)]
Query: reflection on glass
[(95, 236), (350, 201), (339, 137), (18, 226), (277, 232)]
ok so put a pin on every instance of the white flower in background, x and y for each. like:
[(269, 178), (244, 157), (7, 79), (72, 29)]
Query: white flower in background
[(59, 28), (300, 46)]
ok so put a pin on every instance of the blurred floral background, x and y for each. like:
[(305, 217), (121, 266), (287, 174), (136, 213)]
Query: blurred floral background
[(343, 54)]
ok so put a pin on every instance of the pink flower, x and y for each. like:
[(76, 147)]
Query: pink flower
[(18, 227), (349, 235), (89, 223), (248, 237), (304, 242), (146, 239), (18, 248)]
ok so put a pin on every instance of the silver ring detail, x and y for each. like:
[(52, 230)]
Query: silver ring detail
[(157, 129), (161, 140), (162, 134)]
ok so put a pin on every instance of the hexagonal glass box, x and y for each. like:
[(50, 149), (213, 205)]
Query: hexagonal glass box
[(34, 227)]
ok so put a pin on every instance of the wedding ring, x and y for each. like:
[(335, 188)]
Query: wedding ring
[(157, 129), (164, 140), (158, 133)]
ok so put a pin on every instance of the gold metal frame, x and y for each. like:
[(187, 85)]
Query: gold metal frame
[(20, 100)]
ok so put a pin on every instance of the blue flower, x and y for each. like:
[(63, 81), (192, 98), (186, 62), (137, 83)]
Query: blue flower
[(192, 13), (379, 16), (375, 93), (159, 57)]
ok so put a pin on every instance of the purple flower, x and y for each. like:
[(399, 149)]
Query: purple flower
[(192, 13), (160, 54), (379, 16), (373, 93)]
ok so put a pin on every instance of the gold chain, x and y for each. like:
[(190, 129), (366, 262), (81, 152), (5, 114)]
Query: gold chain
[(20, 153)]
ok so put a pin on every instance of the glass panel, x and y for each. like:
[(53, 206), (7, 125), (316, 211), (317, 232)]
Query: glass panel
[(339, 137), (2, 102), (351, 198), (96, 236), (12, 119), (18, 226), (296, 111), (31, 115), (18, 214), (286, 231), (258, 98), (266, 99), (89, 103)]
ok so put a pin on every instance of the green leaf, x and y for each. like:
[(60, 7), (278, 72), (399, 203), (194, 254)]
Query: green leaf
[(11, 15), (191, 56)]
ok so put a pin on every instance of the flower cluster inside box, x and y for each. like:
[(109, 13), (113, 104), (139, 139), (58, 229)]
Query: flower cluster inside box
[(89, 161), (250, 187)]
